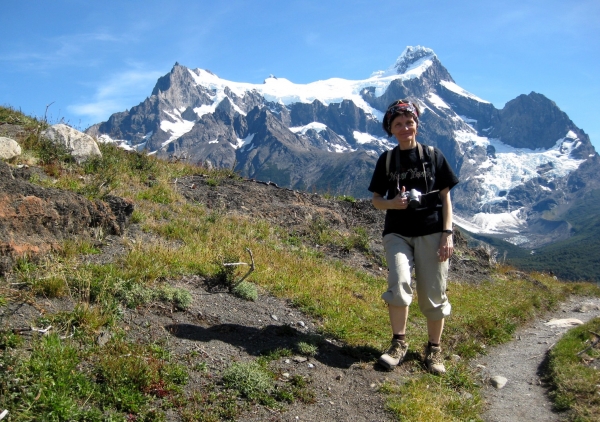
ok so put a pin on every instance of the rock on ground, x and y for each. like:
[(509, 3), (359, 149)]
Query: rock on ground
[(80, 145), (9, 148)]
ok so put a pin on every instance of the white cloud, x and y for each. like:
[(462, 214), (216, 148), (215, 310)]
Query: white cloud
[(97, 110), (61, 51), (120, 92), (132, 80)]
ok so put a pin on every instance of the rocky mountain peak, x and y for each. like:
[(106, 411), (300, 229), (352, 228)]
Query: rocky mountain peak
[(410, 56), (164, 82), (532, 121)]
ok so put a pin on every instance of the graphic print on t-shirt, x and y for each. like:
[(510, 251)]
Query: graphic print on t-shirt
[(409, 170), (411, 178), (410, 174)]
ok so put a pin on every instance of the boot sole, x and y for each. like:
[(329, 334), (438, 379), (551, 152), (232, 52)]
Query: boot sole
[(387, 365)]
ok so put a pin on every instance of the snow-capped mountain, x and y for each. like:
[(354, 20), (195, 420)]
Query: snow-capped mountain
[(520, 167)]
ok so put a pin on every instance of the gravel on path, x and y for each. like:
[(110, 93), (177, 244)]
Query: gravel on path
[(525, 395)]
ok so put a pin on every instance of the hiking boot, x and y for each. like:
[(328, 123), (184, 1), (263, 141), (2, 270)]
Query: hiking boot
[(394, 355), (434, 360)]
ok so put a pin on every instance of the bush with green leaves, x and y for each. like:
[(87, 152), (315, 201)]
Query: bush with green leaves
[(250, 379), (308, 344), (320, 232), (307, 348), (346, 198), (245, 290), (225, 275), (133, 294), (359, 239), (181, 298)]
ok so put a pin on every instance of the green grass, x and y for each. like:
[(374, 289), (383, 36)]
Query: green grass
[(246, 291), (61, 380), (573, 364), (250, 379), (16, 117), (108, 383), (426, 397), (255, 381)]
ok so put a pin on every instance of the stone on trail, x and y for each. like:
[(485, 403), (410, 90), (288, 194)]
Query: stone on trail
[(587, 308), (562, 323), (498, 381)]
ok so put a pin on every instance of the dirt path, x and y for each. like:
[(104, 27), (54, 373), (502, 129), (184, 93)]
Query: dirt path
[(524, 397)]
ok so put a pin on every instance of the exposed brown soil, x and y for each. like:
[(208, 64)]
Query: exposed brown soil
[(34, 220)]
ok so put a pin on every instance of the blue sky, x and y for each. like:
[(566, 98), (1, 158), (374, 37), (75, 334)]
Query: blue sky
[(91, 59)]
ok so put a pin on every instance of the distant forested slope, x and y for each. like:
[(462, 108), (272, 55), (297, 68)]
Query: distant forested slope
[(577, 258)]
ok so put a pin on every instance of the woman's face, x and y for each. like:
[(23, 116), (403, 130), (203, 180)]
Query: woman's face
[(404, 128)]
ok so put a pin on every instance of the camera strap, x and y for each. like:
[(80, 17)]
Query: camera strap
[(396, 153)]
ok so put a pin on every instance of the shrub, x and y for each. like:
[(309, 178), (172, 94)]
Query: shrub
[(359, 239), (246, 291), (249, 378), (347, 198), (134, 294), (181, 298), (307, 349)]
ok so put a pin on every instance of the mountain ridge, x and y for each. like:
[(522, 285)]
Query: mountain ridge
[(517, 164)]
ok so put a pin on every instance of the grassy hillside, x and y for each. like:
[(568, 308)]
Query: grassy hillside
[(70, 375)]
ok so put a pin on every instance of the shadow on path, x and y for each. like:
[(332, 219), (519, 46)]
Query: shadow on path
[(259, 341)]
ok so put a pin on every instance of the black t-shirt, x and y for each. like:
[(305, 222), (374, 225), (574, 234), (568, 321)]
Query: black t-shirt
[(413, 222)]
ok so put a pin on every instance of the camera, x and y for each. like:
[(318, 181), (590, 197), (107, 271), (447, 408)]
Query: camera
[(414, 198)]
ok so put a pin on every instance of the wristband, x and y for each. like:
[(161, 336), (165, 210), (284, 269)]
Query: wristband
[(447, 231)]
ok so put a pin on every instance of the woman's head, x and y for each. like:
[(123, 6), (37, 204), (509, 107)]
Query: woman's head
[(397, 108)]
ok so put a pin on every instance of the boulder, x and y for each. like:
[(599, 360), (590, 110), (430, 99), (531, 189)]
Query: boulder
[(81, 146), (9, 148)]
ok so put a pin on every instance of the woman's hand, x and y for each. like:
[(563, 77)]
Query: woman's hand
[(399, 202), (446, 247)]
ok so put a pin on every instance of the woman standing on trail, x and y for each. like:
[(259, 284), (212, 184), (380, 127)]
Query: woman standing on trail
[(412, 183)]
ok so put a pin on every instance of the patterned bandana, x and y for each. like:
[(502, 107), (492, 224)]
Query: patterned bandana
[(402, 108)]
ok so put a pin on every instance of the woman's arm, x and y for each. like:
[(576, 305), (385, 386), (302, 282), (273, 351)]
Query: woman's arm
[(446, 244), (396, 203)]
